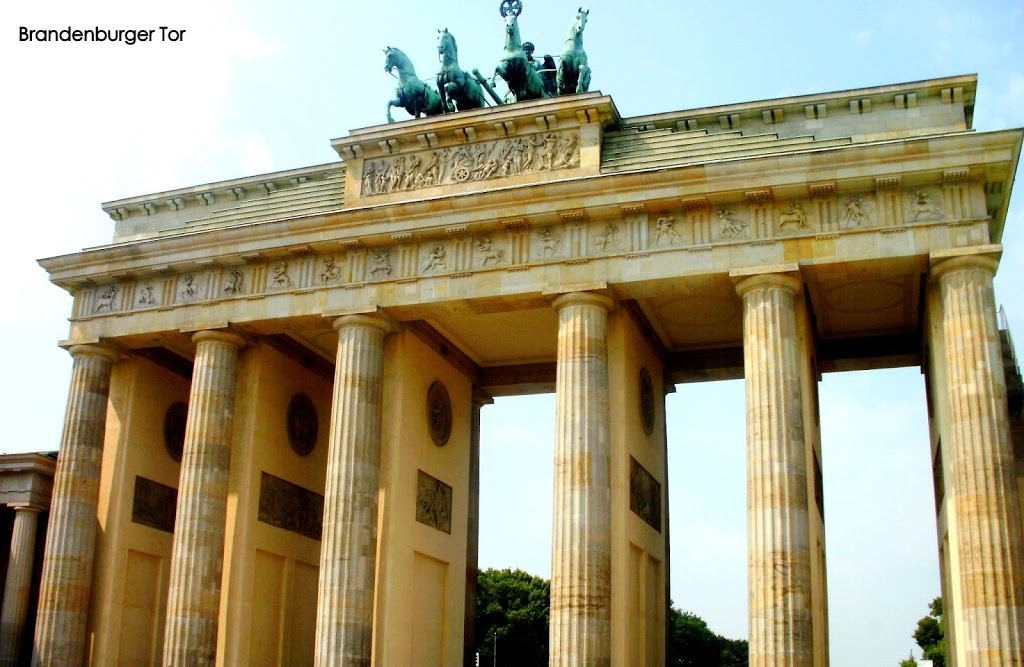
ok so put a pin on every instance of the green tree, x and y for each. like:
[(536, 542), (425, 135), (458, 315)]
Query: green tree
[(693, 644), (515, 605), (909, 662), (930, 634)]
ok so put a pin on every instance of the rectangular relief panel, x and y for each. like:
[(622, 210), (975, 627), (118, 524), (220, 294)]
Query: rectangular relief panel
[(644, 495), (154, 504), (144, 610), (291, 507), (433, 502)]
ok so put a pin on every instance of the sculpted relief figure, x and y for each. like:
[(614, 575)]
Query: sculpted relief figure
[(922, 207), (436, 260), (146, 297), (667, 231), (331, 271), (279, 275), (548, 241), (488, 253), (469, 163), (105, 299), (235, 283), (381, 263), (732, 227), (189, 289), (854, 213), (609, 238), (793, 216)]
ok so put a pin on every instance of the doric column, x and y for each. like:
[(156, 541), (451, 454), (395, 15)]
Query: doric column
[(778, 533), (581, 549), (71, 536), (989, 543), (19, 583), (348, 552), (480, 399), (193, 596)]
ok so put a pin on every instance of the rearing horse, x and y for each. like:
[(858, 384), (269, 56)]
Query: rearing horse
[(453, 84), (523, 80), (412, 94), (573, 71)]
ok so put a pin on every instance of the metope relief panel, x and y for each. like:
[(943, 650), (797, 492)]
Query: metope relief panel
[(193, 287), (923, 205), (644, 495), (795, 217), (471, 163), (490, 251), (154, 504), (433, 502), (290, 507)]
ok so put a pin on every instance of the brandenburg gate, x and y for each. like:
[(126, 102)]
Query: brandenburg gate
[(271, 446)]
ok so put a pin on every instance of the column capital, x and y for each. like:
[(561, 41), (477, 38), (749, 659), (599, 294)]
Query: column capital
[(583, 299), (218, 335), (377, 321), (782, 281), (985, 263), (28, 509), (101, 350)]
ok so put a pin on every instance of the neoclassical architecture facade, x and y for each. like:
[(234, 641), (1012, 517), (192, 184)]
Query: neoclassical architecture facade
[(271, 446)]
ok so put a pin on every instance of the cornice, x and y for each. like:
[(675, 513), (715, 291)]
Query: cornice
[(849, 167), (962, 88)]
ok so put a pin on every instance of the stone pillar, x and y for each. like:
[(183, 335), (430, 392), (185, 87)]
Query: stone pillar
[(778, 532), (71, 538), (19, 583), (982, 494), (480, 399), (581, 549), (197, 555), (348, 553)]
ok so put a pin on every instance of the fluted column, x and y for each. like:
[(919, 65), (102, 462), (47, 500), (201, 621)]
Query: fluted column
[(71, 537), (778, 532), (480, 399), (197, 554), (989, 542), (19, 583), (581, 549), (348, 552)]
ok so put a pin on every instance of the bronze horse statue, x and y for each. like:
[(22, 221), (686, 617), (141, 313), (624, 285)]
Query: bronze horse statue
[(523, 79), (573, 71), (453, 84), (412, 94)]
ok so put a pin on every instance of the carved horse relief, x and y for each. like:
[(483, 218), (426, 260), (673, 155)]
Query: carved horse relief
[(573, 71), (411, 94), (458, 90), (524, 81)]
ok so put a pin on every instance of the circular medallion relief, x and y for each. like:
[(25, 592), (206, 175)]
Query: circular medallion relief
[(646, 401), (439, 414), (302, 424), (174, 430)]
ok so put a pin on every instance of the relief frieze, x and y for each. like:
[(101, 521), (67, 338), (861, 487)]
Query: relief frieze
[(518, 246), (483, 161), (433, 502)]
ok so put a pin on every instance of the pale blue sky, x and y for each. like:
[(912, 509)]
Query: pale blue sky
[(259, 86)]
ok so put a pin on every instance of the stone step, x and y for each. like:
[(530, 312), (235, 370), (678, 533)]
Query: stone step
[(699, 158), (746, 143), (659, 146)]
